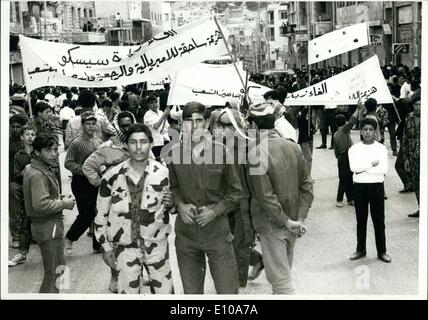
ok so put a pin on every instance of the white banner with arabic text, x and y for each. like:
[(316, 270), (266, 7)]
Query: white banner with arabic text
[(61, 64), (364, 80), (212, 84)]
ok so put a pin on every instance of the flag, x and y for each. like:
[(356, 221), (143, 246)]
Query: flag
[(337, 42), (49, 64), (362, 81)]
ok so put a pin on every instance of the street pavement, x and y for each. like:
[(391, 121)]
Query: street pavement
[(321, 263)]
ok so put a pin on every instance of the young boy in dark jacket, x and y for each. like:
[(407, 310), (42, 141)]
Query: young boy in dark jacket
[(44, 205), (343, 142)]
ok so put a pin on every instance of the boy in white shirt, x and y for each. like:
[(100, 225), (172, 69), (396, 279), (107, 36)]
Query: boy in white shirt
[(368, 161), (158, 124)]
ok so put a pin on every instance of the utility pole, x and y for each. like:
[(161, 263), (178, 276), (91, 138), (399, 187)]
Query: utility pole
[(46, 13), (258, 38), (394, 31), (21, 20), (267, 39), (308, 11)]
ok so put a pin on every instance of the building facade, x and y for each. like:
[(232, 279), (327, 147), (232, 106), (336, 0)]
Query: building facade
[(278, 46), (389, 22), (125, 23), (64, 21), (47, 20)]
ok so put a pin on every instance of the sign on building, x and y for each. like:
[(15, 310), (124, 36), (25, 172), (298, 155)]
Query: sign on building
[(376, 40), (405, 15), (369, 11), (302, 37), (322, 28), (400, 48)]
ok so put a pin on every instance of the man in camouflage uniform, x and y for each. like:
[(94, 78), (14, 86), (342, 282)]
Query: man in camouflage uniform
[(107, 155), (411, 146), (132, 224)]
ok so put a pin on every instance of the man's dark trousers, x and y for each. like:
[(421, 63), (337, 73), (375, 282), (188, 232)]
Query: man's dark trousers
[(86, 201), (326, 123), (372, 194), (214, 240), (401, 171), (345, 178), (49, 236)]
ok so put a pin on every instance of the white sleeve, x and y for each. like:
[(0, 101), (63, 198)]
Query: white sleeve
[(382, 167), (149, 120), (358, 163)]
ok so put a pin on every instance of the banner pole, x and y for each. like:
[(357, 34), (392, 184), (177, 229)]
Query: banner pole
[(309, 107), (30, 108), (228, 51), (246, 93), (396, 110), (141, 93)]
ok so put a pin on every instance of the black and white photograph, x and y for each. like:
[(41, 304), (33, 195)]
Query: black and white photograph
[(214, 149)]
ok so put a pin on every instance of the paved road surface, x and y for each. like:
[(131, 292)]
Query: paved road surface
[(321, 264)]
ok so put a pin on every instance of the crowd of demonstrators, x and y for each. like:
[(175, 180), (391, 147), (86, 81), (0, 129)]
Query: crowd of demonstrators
[(118, 143)]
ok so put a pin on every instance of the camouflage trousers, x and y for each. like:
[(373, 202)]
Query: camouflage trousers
[(415, 175), (154, 257)]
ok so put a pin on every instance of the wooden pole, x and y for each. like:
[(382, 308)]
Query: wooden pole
[(30, 108), (46, 13), (396, 110), (230, 53), (309, 66)]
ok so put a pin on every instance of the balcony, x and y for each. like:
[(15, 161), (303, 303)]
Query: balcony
[(287, 30), (88, 37), (15, 57), (324, 17)]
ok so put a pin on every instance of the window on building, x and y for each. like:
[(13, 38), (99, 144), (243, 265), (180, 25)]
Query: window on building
[(283, 15), (73, 17), (272, 34), (323, 7), (419, 12), (271, 17), (85, 13), (261, 28), (17, 9), (241, 32), (388, 14), (272, 64), (79, 17), (303, 14), (166, 17), (90, 13)]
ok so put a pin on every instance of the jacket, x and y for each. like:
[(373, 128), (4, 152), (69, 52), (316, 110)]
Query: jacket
[(41, 192), (113, 221), (285, 191)]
